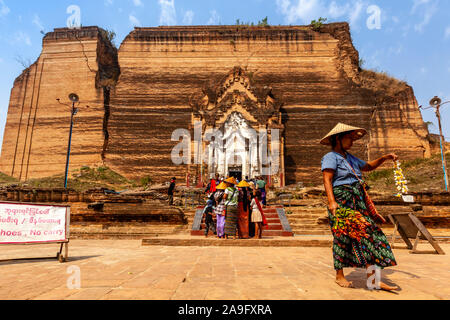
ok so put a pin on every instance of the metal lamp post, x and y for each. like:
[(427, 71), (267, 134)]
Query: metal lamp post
[(74, 98), (436, 103)]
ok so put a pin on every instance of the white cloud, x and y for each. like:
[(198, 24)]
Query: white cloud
[(304, 11), (38, 23), (418, 3), (372, 58), (428, 8), (138, 3), (214, 18), (355, 13), (168, 15), (447, 32), (188, 17), (22, 38), (395, 50), (134, 21), (108, 3), (335, 11), (4, 10), (1, 60)]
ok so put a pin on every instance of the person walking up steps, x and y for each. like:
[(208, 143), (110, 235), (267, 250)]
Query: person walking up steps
[(171, 190)]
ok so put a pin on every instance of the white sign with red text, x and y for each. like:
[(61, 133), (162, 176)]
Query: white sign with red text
[(30, 223)]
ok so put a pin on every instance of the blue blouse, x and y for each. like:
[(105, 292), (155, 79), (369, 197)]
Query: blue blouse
[(343, 174)]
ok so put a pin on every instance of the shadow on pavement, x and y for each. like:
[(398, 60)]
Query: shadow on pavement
[(7, 262), (359, 279)]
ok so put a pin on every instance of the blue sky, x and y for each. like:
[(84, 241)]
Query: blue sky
[(409, 39)]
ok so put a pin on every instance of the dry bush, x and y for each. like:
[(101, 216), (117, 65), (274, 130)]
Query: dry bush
[(381, 82)]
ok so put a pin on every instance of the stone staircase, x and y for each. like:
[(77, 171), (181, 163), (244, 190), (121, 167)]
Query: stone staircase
[(127, 221), (308, 220), (275, 227), (124, 231)]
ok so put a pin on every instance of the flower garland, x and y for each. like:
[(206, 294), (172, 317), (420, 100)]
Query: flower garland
[(400, 180)]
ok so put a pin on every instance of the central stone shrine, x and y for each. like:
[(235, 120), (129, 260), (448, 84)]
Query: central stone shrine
[(245, 101)]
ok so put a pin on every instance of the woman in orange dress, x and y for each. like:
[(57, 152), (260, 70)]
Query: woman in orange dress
[(244, 210)]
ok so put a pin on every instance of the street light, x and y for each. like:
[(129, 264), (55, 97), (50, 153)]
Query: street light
[(74, 98), (436, 103)]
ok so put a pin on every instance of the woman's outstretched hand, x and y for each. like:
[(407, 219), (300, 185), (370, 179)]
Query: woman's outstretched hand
[(391, 156), (333, 206)]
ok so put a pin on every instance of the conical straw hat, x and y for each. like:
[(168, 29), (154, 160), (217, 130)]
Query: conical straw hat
[(221, 186), (243, 184), (231, 180), (341, 128)]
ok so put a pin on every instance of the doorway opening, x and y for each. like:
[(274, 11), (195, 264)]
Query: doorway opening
[(236, 172)]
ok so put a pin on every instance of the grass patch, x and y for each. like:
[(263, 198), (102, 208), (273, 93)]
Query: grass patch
[(81, 180), (5, 179), (421, 174)]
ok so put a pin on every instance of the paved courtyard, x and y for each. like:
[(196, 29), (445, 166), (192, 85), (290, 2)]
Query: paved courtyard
[(126, 270)]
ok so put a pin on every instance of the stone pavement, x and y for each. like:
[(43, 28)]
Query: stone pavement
[(122, 269)]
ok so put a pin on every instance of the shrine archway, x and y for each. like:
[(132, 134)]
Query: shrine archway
[(245, 129)]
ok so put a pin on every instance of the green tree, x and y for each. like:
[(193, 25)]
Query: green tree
[(108, 35), (264, 22), (317, 25)]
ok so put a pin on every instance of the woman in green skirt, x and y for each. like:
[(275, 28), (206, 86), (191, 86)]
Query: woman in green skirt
[(231, 197), (358, 241)]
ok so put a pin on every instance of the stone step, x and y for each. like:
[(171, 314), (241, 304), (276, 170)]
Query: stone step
[(303, 221), (277, 226), (125, 228), (277, 233), (267, 233), (306, 214), (115, 236), (121, 231), (304, 210), (211, 242), (98, 218), (310, 227), (312, 232)]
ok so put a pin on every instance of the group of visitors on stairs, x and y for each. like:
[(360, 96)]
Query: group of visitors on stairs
[(238, 209)]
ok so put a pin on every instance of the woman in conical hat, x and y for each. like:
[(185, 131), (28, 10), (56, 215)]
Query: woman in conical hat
[(220, 209), (363, 244), (221, 186), (244, 209), (231, 180)]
